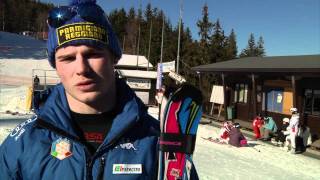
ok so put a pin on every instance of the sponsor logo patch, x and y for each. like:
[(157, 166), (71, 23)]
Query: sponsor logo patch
[(78, 31), (61, 148), (19, 130), (127, 169), (128, 146)]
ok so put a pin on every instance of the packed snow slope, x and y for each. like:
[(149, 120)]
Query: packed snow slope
[(225, 162), (14, 46)]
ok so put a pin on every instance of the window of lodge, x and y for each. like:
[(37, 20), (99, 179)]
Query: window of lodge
[(312, 101), (241, 93)]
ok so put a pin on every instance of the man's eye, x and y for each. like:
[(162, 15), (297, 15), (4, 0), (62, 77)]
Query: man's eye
[(67, 59), (94, 55)]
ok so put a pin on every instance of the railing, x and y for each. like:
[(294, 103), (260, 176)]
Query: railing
[(47, 78)]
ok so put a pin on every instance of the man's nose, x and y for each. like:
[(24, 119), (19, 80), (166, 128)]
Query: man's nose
[(82, 65)]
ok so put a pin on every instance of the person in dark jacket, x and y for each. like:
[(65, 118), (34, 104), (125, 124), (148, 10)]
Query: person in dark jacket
[(92, 126), (236, 138), (283, 132), (303, 135)]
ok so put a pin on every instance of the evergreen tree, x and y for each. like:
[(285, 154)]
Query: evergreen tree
[(29, 12), (231, 49), (217, 43), (119, 20), (260, 47), (250, 50), (205, 26), (205, 29), (253, 49), (188, 57), (132, 33)]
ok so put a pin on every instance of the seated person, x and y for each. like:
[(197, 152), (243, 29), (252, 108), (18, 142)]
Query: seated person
[(283, 132), (224, 131), (268, 129), (256, 125), (236, 138)]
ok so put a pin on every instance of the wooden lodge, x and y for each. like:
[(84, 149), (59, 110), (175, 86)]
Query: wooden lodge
[(270, 86)]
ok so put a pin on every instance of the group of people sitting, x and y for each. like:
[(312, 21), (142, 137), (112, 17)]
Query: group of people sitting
[(293, 135)]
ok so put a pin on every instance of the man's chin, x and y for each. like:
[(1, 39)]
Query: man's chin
[(90, 98)]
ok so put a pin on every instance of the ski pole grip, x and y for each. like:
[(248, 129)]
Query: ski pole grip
[(173, 142)]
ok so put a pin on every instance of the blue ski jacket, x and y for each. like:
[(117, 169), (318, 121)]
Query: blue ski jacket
[(270, 124), (47, 146)]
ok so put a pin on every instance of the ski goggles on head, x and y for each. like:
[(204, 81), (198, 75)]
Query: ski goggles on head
[(88, 12)]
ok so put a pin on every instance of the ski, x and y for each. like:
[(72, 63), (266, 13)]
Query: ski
[(179, 126), (215, 140)]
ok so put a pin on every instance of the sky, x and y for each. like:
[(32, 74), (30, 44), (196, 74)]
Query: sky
[(288, 27)]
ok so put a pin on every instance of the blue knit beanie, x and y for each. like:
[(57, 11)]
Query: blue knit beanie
[(78, 31)]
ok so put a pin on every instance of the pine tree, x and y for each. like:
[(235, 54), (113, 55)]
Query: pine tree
[(132, 32), (205, 29), (217, 43), (118, 19), (253, 49), (205, 26), (231, 46), (260, 47), (250, 50)]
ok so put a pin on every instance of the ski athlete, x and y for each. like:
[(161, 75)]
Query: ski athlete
[(237, 139), (293, 126), (92, 126), (256, 125)]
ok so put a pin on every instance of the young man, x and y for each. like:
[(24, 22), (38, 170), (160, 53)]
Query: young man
[(92, 126)]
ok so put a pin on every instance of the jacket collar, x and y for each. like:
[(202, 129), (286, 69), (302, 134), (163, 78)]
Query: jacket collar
[(56, 111)]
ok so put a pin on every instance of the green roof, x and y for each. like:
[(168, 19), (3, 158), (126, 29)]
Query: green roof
[(281, 64)]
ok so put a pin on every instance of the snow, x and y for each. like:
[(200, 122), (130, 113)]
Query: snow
[(222, 162), (13, 46), (138, 73), (133, 60)]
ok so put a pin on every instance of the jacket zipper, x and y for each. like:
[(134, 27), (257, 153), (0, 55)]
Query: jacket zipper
[(99, 151), (101, 169)]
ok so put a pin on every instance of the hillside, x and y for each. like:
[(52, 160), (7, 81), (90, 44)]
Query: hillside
[(15, 46)]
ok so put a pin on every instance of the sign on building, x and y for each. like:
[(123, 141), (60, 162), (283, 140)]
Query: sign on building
[(168, 66), (177, 77), (139, 83), (217, 95)]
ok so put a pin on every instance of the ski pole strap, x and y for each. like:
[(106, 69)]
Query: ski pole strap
[(172, 142)]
